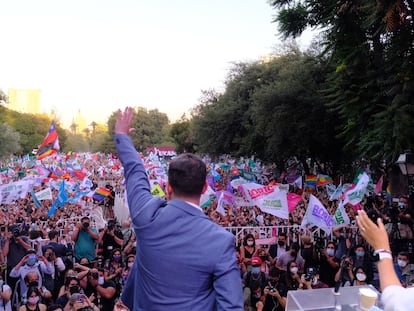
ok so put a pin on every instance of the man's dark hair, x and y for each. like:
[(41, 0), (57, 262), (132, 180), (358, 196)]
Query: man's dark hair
[(187, 175)]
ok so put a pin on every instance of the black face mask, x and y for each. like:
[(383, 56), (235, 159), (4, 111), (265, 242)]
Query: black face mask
[(293, 253), (34, 284), (85, 309), (281, 243)]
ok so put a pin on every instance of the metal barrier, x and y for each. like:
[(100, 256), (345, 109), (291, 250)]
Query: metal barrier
[(293, 233)]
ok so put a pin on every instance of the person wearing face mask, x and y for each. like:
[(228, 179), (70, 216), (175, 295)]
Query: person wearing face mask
[(247, 250), (85, 239), (311, 280), (329, 264), (251, 278), (53, 281), (31, 263), (362, 259), (33, 301), (127, 268), (72, 286), (5, 295), (104, 292), (292, 255), (293, 280), (281, 247), (275, 292), (113, 269), (112, 238), (360, 276), (404, 270)]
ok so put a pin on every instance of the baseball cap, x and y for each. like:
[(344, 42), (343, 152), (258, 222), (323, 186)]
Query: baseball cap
[(256, 261)]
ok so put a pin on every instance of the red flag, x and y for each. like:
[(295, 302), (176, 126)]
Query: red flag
[(293, 200), (50, 144)]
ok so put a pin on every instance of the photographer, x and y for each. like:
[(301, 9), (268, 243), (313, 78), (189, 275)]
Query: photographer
[(85, 239), (53, 281), (112, 238), (103, 291), (329, 264), (275, 292), (345, 274), (405, 217), (311, 280)]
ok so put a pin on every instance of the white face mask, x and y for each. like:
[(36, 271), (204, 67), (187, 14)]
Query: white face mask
[(361, 277), (130, 264), (250, 243), (294, 270), (401, 263), (101, 280)]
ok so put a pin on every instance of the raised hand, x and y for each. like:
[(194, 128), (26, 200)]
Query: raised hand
[(123, 121)]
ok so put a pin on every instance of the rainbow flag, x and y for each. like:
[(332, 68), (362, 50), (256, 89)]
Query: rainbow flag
[(101, 193), (310, 182), (389, 193)]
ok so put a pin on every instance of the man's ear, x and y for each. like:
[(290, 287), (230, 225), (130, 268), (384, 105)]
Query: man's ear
[(204, 188), (169, 190)]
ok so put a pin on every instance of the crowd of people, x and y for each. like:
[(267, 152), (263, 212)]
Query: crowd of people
[(80, 257)]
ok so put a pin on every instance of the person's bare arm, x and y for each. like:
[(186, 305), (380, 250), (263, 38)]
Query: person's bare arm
[(377, 237)]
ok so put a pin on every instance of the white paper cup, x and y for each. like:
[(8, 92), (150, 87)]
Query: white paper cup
[(367, 298)]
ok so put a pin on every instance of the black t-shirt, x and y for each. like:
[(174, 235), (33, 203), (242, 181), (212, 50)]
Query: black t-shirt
[(272, 303), (327, 272), (109, 244), (103, 303)]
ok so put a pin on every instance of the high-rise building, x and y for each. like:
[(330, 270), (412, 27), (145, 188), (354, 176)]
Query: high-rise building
[(24, 101)]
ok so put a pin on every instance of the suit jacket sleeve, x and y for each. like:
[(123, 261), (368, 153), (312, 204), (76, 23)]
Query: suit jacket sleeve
[(137, 184), (227, 280)]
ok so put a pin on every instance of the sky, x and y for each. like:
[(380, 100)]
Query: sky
[(100, 56)]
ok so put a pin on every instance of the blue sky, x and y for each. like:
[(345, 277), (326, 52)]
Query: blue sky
[(98, 56)]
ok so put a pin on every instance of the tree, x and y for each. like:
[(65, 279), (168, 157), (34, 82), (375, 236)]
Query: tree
[(180, 132), (9, 140), (369, 45)]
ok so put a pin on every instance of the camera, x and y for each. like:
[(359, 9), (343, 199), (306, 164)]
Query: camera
[(310, 273), (319, 242), (272, 289), (2, 228), (50, 256), (95, 275), (85, 225), (16, 232)]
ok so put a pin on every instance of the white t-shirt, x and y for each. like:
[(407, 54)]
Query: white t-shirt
[(397, 298)]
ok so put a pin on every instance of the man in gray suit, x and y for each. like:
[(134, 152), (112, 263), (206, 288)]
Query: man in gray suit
[(184, 260)]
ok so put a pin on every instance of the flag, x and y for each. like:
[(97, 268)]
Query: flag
[(50, 144), (340, 216), (297, 182), (310, 182), (156, 191), (271, 200), (356, 194), (378, 186), (224, 197), (293, 200), (207, 197), (389, 193), (35, 200), (337, 194), (323, 180), (61, 199), (317, 215), (45, 194), (101, 193), (78, 195)]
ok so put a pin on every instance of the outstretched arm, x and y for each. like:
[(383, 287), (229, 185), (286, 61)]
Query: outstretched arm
[(377, 237)]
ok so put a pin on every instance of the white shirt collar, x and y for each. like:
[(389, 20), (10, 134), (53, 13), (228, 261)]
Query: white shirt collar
[(195, 205)]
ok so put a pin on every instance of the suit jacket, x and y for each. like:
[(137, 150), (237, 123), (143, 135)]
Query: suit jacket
[(184, 260)]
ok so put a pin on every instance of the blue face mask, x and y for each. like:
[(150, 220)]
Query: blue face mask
[(31, 262), (360, 254), (330, 251), (256, 270)]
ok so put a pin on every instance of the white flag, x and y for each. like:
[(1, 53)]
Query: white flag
[(356, 194), (45, 194), (317, 215), (341, 217)]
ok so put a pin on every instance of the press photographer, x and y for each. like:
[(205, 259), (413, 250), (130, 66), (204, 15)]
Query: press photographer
[(345, 276)]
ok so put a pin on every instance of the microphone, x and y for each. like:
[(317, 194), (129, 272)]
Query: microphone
[(337, 286)]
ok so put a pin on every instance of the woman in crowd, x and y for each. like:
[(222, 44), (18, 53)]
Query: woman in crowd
[(127, 268), (292, 277), (33, 301), (248, 249), (360, 276), (113, 269), (72, 286)]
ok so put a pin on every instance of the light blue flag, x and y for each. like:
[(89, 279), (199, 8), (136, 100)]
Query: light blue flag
[(61, 199)]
